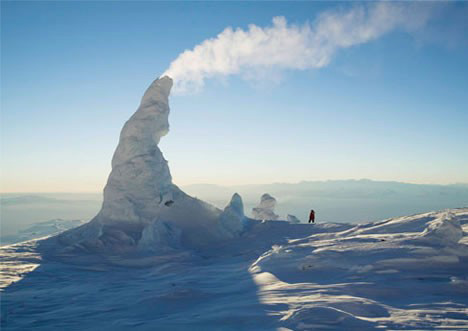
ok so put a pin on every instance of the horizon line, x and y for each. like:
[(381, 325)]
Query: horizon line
[(253, 184)]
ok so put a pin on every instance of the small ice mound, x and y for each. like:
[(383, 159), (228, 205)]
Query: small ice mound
[(293, 219), (266, 209), (445, 229), (319, 318), (232, 220)]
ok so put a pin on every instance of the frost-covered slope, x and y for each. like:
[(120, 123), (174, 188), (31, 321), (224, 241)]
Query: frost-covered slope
[(404, 273)]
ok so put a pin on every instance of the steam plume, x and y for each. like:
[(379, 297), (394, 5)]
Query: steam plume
[(288, 46)]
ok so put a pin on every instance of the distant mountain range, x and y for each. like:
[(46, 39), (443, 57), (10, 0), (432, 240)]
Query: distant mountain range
[(333, 200), (337, 200), (20, 211), (28, 199)]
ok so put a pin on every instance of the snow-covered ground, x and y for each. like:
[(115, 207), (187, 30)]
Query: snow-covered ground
[(40, 229), (406, 273)]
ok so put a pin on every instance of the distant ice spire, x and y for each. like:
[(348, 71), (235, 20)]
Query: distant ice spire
[(266, 209)]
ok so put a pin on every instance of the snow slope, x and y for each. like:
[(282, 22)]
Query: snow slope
[(40, 229), (405, 273)]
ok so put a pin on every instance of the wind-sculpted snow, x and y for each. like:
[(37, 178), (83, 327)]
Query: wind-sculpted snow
[(406, 273)]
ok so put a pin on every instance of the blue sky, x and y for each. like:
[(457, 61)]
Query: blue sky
[(394, 108)]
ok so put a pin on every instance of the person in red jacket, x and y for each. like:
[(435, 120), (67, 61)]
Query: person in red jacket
[(312, 216)]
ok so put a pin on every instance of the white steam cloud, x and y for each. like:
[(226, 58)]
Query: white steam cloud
[(288, 46)]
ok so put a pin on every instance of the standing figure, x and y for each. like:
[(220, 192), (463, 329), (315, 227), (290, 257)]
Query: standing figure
[(312, 216)]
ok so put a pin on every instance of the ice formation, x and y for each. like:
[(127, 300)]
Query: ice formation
[(233, 219), (293, 219), (266, 209), (142, 208)]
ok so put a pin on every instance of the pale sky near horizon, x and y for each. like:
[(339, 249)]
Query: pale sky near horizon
[(394, 108)]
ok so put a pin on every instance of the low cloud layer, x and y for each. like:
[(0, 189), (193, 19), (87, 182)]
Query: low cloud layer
[(284, 46)]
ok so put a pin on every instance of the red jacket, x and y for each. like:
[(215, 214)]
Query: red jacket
[(312, 216)]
